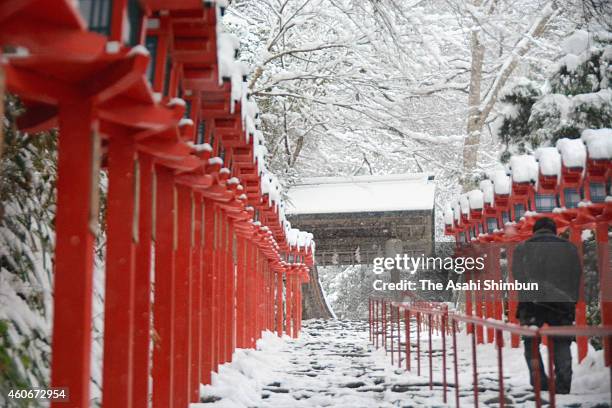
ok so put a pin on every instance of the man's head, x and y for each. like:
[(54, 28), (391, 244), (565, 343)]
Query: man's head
[(545, 224)]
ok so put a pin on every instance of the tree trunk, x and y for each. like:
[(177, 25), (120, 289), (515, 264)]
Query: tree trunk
[(2, 90), (314, 305), (298, 149), (479, 110), (474, 127)]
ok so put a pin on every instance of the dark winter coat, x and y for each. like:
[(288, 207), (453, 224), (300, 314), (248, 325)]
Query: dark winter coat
[(554, 264)]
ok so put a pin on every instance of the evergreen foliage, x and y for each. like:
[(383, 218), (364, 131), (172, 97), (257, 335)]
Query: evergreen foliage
[(27, 207), (520, 99), (577, 95)]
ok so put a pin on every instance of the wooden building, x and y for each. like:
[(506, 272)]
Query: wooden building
[(352, 219)]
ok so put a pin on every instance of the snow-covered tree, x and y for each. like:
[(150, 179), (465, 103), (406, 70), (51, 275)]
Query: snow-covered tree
[(337, 82), (576, 96), (348, 289), (27, 203), (496, 52), (353, 87), (517, 103)]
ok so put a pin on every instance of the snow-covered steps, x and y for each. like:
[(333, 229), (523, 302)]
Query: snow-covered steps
[(332, 364)]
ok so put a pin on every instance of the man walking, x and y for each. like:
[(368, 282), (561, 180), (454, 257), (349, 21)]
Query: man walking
[(554, 264)]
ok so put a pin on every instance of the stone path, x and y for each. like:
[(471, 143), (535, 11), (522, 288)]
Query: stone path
[(332, 364)]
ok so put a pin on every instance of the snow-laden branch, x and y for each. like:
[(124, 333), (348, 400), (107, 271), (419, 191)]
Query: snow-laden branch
[(312, 48), (521, 48), (440, 87), (319, 47), (413, 135)]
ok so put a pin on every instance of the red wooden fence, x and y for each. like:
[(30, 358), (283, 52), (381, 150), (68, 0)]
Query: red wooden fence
[(195, 231), (437, 317)]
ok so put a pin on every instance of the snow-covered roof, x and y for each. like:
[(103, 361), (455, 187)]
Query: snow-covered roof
[(399, 192)]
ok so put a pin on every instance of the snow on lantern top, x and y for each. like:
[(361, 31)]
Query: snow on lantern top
[(464, 204), (457, 211), (488, 191), (300, 239), (271, 187), (524, 168), (227, 44), (598, 142), (501, 182), (448, 214), (476, 199), (573, 152), (549, 160), (304, 239)]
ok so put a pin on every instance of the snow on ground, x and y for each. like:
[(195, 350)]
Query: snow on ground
[(333, 364)]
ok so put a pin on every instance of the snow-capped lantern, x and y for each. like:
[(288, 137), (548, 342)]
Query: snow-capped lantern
[(464, 214), (573, 161), (502, 186), (524, 175), (456, 213), (456, 219), (459, 226), (449, 220), (490, 220), (549, 174), (476, 202), (598, 174), (464, 207), (596, 210)]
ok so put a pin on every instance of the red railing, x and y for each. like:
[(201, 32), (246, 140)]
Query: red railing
[(384, 312)]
